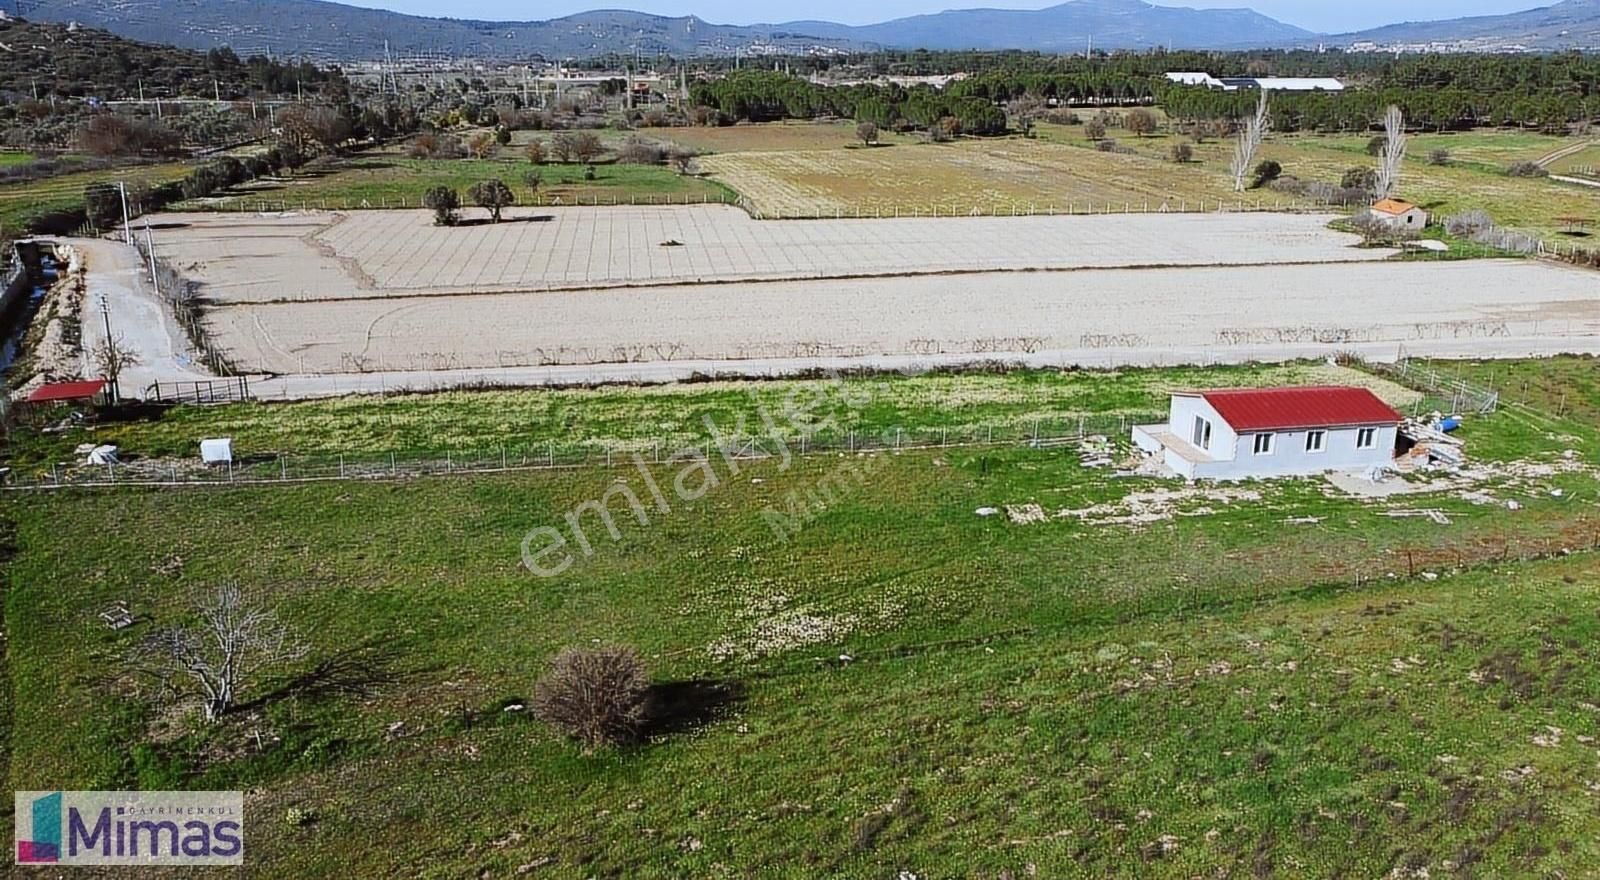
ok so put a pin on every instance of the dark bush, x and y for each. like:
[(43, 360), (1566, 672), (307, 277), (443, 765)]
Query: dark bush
[(443, 202), (597, 696), (1527, 169), (1266, 172), (1359, 178)]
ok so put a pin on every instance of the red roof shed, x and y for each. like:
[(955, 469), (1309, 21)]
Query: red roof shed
[(1286, 409), (65, 391)]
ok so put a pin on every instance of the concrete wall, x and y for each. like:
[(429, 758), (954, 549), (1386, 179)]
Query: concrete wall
[(17, 282)]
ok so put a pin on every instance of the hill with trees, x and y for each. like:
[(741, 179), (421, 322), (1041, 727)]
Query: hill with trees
[(39, 61)]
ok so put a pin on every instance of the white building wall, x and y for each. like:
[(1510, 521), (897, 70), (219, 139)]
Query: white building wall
[(1290, 458), (1224, 441)]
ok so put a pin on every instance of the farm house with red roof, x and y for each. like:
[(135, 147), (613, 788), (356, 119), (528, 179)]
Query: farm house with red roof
[(1250, 433)]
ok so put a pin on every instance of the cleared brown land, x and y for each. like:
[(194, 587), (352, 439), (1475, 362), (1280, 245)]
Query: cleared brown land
[(1127, 310), (239, 258)]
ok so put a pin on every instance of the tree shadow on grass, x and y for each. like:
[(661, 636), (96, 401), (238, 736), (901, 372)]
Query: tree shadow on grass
[(682, 706), (360, 671)]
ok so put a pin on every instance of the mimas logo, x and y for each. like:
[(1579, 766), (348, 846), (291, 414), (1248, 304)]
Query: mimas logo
[(130, 828), (42, 846)]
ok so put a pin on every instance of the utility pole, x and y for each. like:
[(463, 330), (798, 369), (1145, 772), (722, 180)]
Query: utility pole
[(112, 355), (127, 230), (150, 250)]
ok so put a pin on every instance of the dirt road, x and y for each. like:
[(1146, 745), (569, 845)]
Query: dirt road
[(118, 285)]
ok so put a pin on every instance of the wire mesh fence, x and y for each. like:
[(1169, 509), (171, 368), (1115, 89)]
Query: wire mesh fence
[(270, 467), (1446, 393)]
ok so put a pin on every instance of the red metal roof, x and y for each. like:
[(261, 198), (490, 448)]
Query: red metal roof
[(1284, 409), (66, 391)]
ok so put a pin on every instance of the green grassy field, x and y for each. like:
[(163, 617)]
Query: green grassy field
[(390, 181), (1295, 684), (622, 418), (14, 157), (21, 203)]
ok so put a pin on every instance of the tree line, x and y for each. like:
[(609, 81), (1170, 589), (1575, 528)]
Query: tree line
[(763, 96), (1435, 91)]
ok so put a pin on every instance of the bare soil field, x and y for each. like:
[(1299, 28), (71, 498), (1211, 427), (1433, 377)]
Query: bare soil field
[(980, 314), (255, 258)]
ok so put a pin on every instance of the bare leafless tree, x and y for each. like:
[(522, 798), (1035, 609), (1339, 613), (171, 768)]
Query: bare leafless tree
[(111, 355), (1250, 139), (235, 640), (1393, 153)]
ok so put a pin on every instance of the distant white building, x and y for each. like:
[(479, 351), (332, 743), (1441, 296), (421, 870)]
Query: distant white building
[(1240, 434), (1299, 84), (1191, 78), (1399, 215), (1269, 83)]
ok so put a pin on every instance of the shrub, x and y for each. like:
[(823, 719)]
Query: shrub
[(444, 202), (1266, 172), (1182, 153), (1468, 224), (1439, 157), (637, 151), (596, 696), (1365, 179), (1108, 145), (1527, 169), (1095, 129), (1141, 122), (1376, 145), (867, 133)]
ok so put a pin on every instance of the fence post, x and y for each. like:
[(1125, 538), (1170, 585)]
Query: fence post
[(283, 466), (341, 465)]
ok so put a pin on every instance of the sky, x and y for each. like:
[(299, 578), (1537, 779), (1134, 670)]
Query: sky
[(1330, 16)]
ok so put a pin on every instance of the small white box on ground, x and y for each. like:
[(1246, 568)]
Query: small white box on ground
[(217, 451)]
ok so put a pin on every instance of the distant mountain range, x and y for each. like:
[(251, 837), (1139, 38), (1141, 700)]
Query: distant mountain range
[(1574, 24), (335, 31)]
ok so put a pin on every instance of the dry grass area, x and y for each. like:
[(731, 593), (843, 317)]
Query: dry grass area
[(776, 136), (999, 175), (1061, 170)]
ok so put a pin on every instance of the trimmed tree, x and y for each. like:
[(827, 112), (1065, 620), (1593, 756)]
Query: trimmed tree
[(867, 133), (443, 202), (492, 194)]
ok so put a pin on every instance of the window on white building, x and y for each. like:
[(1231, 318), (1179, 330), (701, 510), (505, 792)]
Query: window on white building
[(1264, 444), (1202, 433), (1316, 441), (1366, 438)]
